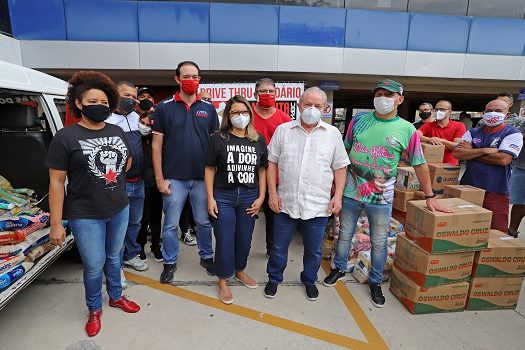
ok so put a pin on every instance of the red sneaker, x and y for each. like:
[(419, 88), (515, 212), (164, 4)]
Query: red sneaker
[(124, 304), (93, 324)]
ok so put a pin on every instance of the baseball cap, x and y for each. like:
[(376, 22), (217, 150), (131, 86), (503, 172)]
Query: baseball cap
[(145, 89), (390, 85)]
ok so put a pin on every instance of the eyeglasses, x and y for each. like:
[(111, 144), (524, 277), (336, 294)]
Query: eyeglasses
[(442, 109), (266, 91), (237, 113), (206, 99)]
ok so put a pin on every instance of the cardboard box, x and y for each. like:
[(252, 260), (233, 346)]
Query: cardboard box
[(489, 293), (402, 197), (399, 216), (443, 174), (466, 229), (428, 270), (406, 179), (433, 153), (469, 193), (504, 257), (419, 300)]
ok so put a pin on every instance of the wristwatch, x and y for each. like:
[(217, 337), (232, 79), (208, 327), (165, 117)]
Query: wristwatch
[(432, 196)]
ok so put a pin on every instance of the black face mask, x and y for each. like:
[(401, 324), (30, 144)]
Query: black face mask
[(145, 104), (126, 105), (96, 113), (425, 115)]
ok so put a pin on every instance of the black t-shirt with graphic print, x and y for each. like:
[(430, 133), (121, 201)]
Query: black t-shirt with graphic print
[(237, 160), (95, 161)]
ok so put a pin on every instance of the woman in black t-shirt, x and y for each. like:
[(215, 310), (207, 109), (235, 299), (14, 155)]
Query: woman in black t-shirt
[(94, 156), (235, 177)]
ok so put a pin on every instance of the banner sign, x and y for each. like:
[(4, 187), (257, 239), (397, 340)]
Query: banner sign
[(287, 95)]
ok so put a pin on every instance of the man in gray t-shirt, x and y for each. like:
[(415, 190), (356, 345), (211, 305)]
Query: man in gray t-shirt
[(517, 191)]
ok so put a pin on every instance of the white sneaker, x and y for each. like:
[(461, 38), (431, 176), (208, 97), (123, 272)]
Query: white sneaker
[(123, 280), (188, 239), (137, 264)]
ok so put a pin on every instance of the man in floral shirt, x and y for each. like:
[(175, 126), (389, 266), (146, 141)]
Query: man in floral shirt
[(375, 142)]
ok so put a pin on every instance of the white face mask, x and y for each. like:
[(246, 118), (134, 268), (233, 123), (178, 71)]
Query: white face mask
[(241, 121), (384, 105), (144, 129), (311, 115), (440, 115), (494, 118)]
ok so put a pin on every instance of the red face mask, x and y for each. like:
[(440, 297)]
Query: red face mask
[(267, 100), (189, 86)]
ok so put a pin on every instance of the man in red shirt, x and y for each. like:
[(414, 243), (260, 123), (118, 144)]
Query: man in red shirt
[(443, 131), (266, 118)]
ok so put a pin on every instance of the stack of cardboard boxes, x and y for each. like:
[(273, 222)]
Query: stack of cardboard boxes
[(452, 261), (435, 257), (407, 186), (498, 273)]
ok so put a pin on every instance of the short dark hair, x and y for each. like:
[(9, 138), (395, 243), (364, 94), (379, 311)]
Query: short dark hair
[(506, 94), (264, 81), (187, 63), (83, 81)]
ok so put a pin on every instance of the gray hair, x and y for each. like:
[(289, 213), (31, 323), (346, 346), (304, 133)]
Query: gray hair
[(427, 104), (262, 81), (311, 90)]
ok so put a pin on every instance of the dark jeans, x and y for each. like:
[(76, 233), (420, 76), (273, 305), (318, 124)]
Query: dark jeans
[(186, 217), (151, 217), (312, 231), (233, 229), (268, 215), (135, 192)]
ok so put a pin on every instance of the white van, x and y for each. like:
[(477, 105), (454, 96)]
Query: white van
[(32, 109)]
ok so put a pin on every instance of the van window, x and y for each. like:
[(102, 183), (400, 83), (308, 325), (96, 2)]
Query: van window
[(60, 103), (24, 139)]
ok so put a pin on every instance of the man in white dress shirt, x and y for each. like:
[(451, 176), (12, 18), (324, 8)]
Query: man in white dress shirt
[(309, 154)]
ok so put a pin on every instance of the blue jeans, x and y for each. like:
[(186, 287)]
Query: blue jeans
[(172, 207), (284, 228), (378, 219), (99, 242), (233, 229), (135, 192)]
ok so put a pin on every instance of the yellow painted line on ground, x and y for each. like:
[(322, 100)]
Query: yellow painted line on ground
[(370, 332), (263, 317)]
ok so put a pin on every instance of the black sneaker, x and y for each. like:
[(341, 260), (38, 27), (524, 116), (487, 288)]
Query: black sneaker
[(334, 276), (270, 290), (513, 233), (167, 274), (311, 292), (157, 254), (209, 265), (377, 295), (142, 255)]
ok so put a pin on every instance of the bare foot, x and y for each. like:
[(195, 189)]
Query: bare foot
[(225, 294), (243, 277)]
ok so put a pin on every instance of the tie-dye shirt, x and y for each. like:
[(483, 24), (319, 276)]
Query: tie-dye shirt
[(375, 146)]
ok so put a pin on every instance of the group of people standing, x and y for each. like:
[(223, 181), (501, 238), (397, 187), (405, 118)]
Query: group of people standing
[(299, 172), (491, 152)]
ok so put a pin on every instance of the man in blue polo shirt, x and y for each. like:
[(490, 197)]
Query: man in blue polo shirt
[(489, 151), (181, 132)]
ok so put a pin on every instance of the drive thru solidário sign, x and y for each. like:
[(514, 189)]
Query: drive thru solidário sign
[(287, 95)]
